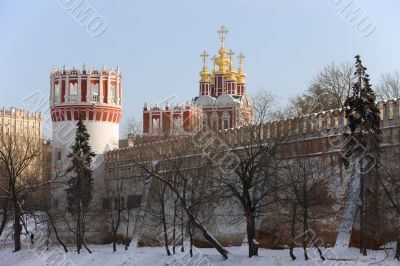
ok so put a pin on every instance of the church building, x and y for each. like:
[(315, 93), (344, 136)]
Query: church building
[(222, 102)]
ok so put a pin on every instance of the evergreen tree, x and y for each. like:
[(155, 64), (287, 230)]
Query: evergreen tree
[(79, 191), (362, 145)]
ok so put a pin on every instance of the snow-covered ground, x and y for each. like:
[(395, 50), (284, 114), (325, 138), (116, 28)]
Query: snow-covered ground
[(103, 255), (36, 255)]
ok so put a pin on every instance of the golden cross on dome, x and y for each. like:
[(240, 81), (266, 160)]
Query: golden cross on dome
[(230, 54), (222, 32), (204, 55), (214, 59), (241, 57)]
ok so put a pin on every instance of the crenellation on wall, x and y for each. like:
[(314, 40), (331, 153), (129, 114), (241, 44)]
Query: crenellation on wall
[(295, 128)]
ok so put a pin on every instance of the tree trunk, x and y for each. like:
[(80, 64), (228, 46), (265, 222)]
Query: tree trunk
[(362, 225), (78, 235), (208, 237), (305, 235), (55, 231), (114, 242), (319, 252), (397, 256), (5, 217), (17, 226), (190, 239), (174, 228), (87, 248), (251, 234), (164, 222), (127, 231), (292, 230), (182, 233)]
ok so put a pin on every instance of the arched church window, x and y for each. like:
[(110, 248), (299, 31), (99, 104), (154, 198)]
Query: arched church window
[(205, 122), (214, 121), (225, 120)]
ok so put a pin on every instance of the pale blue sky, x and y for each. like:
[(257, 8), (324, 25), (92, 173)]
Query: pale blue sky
[(157, 44)]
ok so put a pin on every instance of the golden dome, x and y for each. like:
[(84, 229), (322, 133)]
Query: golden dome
[(222, 61)]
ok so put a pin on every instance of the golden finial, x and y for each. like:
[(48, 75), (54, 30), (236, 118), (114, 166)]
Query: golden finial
[(204, 55), (241, 76), (230, 54), (241, 57), (231, 74), (214, 59), (222, 32), (204, 72)]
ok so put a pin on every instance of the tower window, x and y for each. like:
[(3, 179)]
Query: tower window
[(57, 90), (94, 87), (219, 80), (73, 88), (112, 93)]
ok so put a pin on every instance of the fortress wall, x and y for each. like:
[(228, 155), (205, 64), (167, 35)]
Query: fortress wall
[(319, 134)]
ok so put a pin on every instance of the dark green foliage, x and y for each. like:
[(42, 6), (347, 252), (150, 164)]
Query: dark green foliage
[(362, 118), (79, 191), (81, 158), (362, 145)]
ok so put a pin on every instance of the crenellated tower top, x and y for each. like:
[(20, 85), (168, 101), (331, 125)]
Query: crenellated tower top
[(74, 90)]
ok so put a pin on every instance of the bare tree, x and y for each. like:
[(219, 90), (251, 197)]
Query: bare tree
[(49, 218), (158, 209), (133, 129), (180, 169), (20, 157), (388, 86), (263, 106), (117, 213), (250, 175), (389, 180), (308, 195), (328, 90)]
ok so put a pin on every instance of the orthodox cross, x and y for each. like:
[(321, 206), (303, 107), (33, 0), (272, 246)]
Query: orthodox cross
[(214, 59), (204, 55), (230, 54), (222, 32), (241, 57)]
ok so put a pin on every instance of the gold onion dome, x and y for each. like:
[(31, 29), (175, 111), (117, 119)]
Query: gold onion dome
[(204, 74)]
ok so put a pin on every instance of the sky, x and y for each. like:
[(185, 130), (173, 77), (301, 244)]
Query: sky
[(157, 44)]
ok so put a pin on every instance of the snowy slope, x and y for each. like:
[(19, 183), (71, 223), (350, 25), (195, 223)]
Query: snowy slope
[(349, 211), (102, 255)]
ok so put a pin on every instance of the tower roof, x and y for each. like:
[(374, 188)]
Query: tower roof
[(223, 62)]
